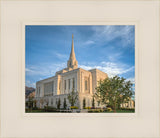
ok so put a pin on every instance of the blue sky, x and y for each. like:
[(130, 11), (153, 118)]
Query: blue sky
[(109, 48)]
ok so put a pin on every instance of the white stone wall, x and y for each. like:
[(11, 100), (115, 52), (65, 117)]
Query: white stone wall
[(79, 75), (70, 75), (85, 75), (97, 75), (41, 84), (52, 101)]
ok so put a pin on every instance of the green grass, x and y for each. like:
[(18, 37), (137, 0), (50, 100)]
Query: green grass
[(35, 111), (121, 111), (118, 111)]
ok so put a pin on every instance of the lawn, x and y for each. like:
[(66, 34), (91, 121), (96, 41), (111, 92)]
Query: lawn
[(121, 111), (118, 111), (35, 111)]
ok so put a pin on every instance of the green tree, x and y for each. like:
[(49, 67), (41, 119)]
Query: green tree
[(93, 102), (35, 103), (47, 102), (59, 103), (114, 91), (84, 103), (64, 104), (41, 102), (30, 103), (72, 97)]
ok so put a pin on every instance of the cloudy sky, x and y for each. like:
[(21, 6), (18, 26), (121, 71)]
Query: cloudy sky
[(108, 48)]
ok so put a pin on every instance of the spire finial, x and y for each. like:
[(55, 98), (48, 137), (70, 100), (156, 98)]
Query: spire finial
[(72, 62)]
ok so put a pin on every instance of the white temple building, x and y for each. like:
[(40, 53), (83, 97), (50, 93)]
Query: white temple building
[(59, 86)]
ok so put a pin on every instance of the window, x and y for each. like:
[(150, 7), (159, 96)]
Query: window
[(69, 84), (52, 86), (59, 85), (39, 91), (48, 88), (65, 84), (51, 101), (73, 83), (86, 88)]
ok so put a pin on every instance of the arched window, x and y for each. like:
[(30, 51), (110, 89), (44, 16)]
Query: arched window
[(69, 84), (86, 85), (59, 85), (73, 83), (65, 84)]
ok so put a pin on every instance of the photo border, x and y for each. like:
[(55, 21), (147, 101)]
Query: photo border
[(82, 22), (157, 43)]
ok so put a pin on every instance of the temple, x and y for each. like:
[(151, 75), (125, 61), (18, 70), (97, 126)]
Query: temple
[(71, 78)]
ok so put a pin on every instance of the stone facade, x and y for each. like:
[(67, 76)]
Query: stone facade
[(60, 85)]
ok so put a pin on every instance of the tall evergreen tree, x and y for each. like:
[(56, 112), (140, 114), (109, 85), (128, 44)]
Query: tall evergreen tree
[(93, 102), (84, 103), (73, 97), (64, 104), (59, 103)]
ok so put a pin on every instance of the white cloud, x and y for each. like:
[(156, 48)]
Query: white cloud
[(61, 56), (44, 69), (110, 68), (109, 33), (48, 70), (132, 80), (89, 42), (113, 57), (29, 84)]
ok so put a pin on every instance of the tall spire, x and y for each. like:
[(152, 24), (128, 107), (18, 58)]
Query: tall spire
[(72, 62), (72, 55)]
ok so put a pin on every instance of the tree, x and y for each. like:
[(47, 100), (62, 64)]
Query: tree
[(41, 102), (72, 97), (46, 101), (84, 103), (64, 104), (59, 103), (114, 91), (30, 103), (93, 102), (35, 103)]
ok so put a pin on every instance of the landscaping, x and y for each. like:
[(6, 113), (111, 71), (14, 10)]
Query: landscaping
[(76, 110)]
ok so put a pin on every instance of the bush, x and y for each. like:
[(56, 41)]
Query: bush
[(50, 109), (74, 107), (109, 109), (95, 110), (35, 108), (127, 109), (87, 108)]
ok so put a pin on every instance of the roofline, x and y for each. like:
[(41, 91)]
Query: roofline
[(97, 70), (71, 71)]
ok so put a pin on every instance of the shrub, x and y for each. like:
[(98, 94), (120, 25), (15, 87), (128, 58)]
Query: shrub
[(50, 109), (109, 109), (87, 108), (74, 107), (98, 108), (127, 109), (95, 110), (84, 103), (35, 108)]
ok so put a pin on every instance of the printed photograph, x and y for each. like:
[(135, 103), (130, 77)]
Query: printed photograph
[(80, 69)]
